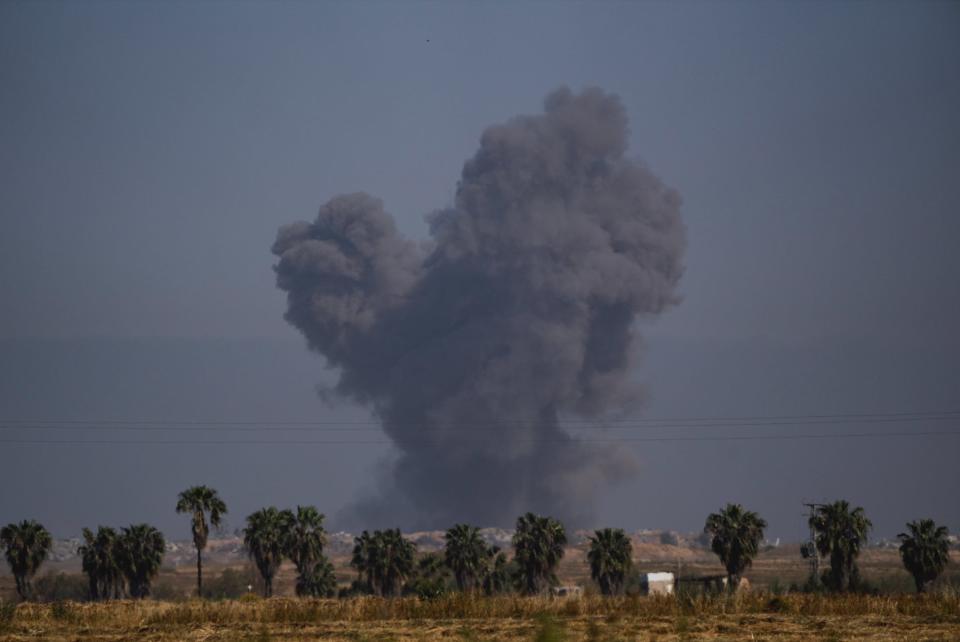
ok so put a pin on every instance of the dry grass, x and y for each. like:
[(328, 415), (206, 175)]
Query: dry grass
[(464, 617), (759, 615)]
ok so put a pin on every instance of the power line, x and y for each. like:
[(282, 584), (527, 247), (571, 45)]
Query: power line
[(561, 441), (368, 425), (866, 415)]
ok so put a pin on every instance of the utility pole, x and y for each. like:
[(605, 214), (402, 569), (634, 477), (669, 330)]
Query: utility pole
[(810, 550)]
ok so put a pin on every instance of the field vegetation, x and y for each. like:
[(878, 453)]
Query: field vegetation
[(471, 616)]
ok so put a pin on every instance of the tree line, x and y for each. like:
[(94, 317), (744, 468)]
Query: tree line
[(123, 563)]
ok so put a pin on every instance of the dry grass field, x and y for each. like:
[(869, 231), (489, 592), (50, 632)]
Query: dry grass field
[(757, 615), (752, 616)]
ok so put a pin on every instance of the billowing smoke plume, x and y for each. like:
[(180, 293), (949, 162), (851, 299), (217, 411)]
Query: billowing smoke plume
[(520, 312)]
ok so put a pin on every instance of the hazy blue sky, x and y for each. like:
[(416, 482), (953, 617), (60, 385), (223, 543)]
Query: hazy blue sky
[(148, 153)]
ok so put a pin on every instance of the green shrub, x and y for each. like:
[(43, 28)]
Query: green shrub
[(431, 578), (233, 583), (8, 611), (62, 611), (548, 630), (778, 605), (356, 589), (468, 635), (166, 591), (777, 588), (54, 587)]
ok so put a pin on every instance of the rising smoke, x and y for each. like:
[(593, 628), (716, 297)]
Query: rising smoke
[(520, 312)]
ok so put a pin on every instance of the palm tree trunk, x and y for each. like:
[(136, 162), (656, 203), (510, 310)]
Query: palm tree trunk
[(733, 582), (199, 575)]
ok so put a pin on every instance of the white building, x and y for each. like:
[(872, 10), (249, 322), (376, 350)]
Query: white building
[(656, 583)]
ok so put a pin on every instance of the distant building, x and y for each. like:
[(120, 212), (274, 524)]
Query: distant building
[(656, 583), (566, 591)]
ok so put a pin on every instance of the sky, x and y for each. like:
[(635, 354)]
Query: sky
[(149, 152)]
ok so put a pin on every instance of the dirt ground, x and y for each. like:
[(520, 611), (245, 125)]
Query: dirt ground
[(786, 629)]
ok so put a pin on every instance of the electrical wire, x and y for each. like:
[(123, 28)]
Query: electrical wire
[(150, 425), (561, 441)]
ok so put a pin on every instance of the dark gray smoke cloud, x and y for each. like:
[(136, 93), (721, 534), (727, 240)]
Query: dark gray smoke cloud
[(519, 312)]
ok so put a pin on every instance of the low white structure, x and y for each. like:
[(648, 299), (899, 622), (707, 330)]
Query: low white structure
[(566, 591), (656, 583)]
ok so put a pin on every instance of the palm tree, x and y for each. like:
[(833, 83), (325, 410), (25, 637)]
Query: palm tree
[(200, 501), (141, 553), (304, 546), (737, 534), (840, 534), (465, 554), (538, 548), (27, 546), (496, 573), (319, 581), (101, 558), (384, 560), (925, 551), (609, 558), (396, 561), (429, 578), (265, 539), (362, 560)]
